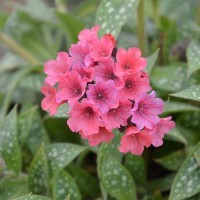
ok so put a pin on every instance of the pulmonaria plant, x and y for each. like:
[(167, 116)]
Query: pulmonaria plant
[(106, 88)]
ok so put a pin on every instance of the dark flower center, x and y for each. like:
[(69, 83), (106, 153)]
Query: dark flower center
[(99, 96), (112, 76), (88, 112), (77, 91), (128, 84)]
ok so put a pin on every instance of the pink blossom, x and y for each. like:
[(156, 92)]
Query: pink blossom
[(78, 53), (135, 140), (72, 88), (104, 135), (86, 73), (102, 49), (105, 71), (129, 61), (135, 86), (163, 127), (117, 117), (104, 94), (49, 102), (146, 110), (84, 117), (89, 36), (56, 69)]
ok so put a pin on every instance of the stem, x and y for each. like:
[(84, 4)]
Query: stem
[(155, 4), (60, 6), (12, 86), (141, 27), (198, 15), (18, 49)]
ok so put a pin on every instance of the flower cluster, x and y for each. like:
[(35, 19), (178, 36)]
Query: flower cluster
[(106, 88)]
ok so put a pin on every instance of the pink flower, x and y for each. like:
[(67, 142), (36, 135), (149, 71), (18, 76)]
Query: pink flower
[(163, 127), (104, 135), (49, 102), (56, 69), (86, 73), (117, 117), (72, 88), (135, 141), (104, 94), (78, 53), (134, 86), (146, 110), (129, 61), (89, 36), (105, 71), (84, 117), (102, 49)]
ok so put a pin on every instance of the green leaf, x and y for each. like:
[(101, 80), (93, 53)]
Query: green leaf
[(136, 166), (109, 149), (176, 107), (32, 197), (151, 60), (9, 147), (25, 120), (88, 184), (37, 135), (13, 187), (165, 78), (186, 182), (192, 93), (59, 155), (63, 185), (117, 180), (33, 82), (10, 61), (61, 112), (175, 135), (39, 10), (193, 57), (38, 173), (162, 184), (195, 197), (70, 26), (112, 15), (3, 18), (172, 161), (188, 124)]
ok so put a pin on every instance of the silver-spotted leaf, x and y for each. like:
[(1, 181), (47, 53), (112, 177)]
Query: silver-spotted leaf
[(193, 56), (9, 147), (136, 166), (38, 134), (112, 15), (172, 161), (38, 179), (186, 182), (170, 78), (151, 60), (175, 107), (192, 93), (59, 155), (32, 197), (64, 185), (116, 180), (25, 120)]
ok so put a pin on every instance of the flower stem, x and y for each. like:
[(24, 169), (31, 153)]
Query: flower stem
[(60, 6), (18, 49), (156, 16), (141, 27)]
